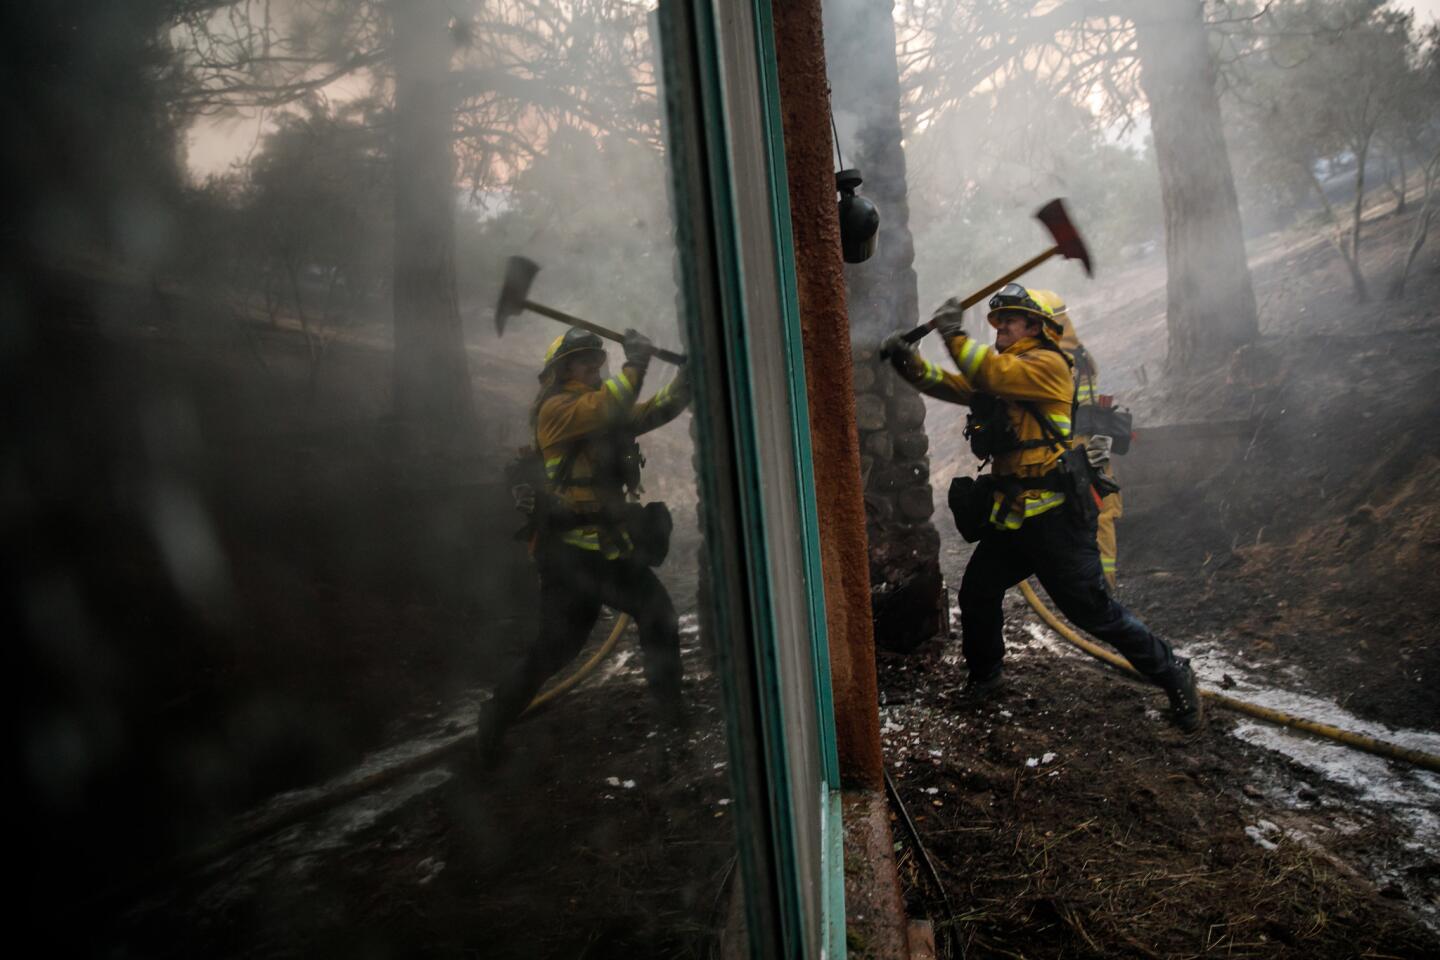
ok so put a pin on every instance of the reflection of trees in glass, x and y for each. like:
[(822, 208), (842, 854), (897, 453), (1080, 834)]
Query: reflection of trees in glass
[(91, 139), (463, 93)]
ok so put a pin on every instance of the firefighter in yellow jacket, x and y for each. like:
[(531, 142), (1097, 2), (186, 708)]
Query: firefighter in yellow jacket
[(1087, 394), (592, 543), (1020, 394)]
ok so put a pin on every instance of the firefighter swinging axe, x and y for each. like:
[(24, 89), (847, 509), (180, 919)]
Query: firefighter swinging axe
[(1068, 244), (514, 299)]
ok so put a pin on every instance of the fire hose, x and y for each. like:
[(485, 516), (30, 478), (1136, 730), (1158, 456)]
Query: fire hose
[(621, 622), (1349, 738)]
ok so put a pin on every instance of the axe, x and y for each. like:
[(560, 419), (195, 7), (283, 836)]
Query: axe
[(1068, 244), (519, 274)]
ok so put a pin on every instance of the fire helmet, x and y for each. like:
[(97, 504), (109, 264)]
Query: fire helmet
[(1014, 298), (1069, 340), (568, 344)]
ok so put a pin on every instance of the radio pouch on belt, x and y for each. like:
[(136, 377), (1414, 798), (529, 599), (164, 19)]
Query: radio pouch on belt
[(1093, 420), (971, 499), (649, 527)]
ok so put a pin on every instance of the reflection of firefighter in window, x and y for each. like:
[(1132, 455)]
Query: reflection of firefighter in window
[(592, 542), (1087, 401), (1034, 513)]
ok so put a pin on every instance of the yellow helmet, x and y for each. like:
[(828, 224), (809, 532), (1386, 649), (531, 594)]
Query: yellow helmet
[(569, 343), (1014, 298), (1050, 300), (1069, 340)]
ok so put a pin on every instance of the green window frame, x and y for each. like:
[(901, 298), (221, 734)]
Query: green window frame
[(731, 205)]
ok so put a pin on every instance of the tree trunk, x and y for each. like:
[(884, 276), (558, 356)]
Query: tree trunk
[(1362, 290), (433, 400), (1337, 236), (1396, 190), (1210, 304), (882, 297), (1421, 230)]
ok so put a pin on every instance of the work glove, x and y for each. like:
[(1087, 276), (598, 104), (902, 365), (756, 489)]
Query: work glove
[(524, 496), (949, 318), (638, 348), (1097, 451), (894, 348)]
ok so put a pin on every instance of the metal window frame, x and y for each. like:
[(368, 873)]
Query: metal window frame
[(756, 472)]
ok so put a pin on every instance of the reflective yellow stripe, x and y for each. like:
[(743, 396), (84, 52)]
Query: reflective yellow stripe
[(1062, 423), (1108, 564), (1086, 392), (932, 375), (588, 538), (971, 356), (1033, 508), (620, 387), (1041, 504), (552, 465)]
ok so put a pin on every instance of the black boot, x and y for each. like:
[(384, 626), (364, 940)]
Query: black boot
[(489, 736), (979, 689), (1186, 709)]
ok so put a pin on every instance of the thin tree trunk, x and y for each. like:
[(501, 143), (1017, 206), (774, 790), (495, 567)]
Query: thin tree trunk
[(1362, 289), (1421, 230), (433, 398), (1337, 236), (1210, 303), (293, 276), (1398, 191)]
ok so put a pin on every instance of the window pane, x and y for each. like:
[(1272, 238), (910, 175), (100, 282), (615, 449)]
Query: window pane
[(267, 507)]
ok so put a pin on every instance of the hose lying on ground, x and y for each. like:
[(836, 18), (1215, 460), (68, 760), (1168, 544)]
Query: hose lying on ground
[(1351, 739)]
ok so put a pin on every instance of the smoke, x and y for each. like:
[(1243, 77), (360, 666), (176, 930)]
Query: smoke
[(240, 571)]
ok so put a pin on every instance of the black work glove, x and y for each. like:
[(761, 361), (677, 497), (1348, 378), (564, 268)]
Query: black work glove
[(638, 348), (894, 348), (949, 318)]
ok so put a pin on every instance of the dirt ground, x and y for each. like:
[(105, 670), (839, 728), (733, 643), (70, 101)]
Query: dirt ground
[(593, 837), (1066, 818)]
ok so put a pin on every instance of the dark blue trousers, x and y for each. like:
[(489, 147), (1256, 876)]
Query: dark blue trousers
[(573, 585), (1062, 553)]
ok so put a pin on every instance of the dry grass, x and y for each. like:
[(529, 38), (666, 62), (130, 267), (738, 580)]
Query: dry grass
[(1095, 890)]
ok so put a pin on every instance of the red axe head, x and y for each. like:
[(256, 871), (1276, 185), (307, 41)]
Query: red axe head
[(1067, 238)]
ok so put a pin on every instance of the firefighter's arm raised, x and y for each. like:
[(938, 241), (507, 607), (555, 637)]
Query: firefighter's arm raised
[(665, 406), (1030, 375), (570, 415), (923, 375)]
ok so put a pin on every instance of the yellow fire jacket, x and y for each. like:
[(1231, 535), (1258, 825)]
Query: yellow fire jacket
[(577, 413), (1025, 371)]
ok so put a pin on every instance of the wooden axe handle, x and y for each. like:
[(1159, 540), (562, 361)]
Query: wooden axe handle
[(985, 291), (669, 356)]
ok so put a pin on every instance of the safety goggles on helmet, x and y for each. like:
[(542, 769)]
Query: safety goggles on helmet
[(1012, 296)]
